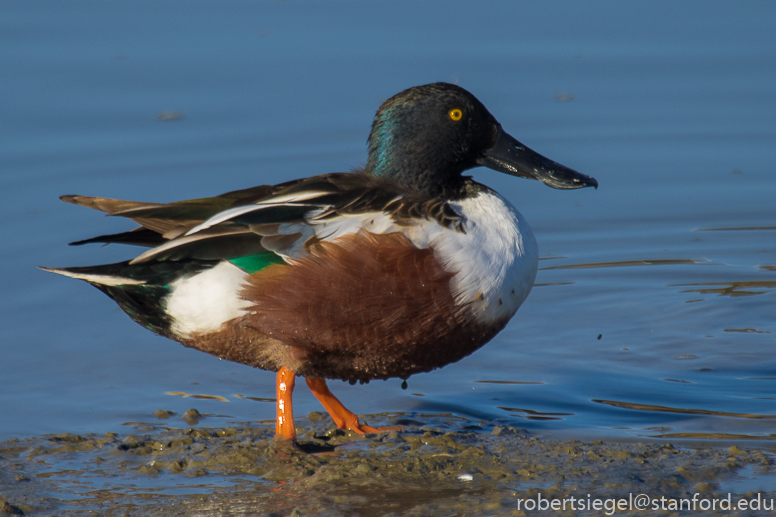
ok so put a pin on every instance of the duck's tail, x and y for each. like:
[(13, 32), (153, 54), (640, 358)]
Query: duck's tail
[(105, 204), (138, 289)]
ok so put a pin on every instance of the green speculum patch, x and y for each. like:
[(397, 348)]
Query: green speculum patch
[(254, 263)]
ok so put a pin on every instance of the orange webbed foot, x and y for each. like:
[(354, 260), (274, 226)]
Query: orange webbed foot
[(366, 429), (342, 416)]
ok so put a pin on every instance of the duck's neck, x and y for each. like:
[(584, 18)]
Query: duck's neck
[(407, 158), (421, 180)]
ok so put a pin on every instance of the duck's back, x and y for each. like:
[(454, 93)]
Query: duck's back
[(373, 296)]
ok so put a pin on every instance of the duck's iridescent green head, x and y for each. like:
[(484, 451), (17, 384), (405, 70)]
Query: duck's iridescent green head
[(425, 138)]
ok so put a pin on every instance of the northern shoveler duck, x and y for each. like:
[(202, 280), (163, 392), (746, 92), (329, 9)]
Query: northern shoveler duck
[(399, 268)]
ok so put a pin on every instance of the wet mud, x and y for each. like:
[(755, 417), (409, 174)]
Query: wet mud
[(440, 465)]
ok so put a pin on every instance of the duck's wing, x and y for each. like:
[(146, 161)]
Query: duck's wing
[(284, 219), (160, 222)]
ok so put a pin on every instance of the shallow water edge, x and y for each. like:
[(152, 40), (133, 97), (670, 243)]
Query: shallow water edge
[(438, 465)]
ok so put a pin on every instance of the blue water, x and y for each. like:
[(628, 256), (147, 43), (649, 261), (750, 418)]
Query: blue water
[(670, 106)]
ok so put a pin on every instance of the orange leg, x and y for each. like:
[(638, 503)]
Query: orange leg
[(342, 416), (284, 424)]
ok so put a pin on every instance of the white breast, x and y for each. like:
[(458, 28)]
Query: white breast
[(494, 261)]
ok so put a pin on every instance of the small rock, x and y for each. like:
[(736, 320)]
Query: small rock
[(192, 416), (315, 416), (9, 509)]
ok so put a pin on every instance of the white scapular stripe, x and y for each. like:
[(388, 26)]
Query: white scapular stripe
[(231, 213)]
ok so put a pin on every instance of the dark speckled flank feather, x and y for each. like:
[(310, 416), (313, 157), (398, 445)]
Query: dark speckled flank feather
[(164, 226)]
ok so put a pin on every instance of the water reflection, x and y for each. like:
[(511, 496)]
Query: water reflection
[(194, 396), (737, 229), (509, 382), (684, 411), (715, 436), (627, 263), (531, 414), (729, 288), (256, 399)]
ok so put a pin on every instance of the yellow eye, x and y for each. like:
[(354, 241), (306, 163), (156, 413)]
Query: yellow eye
[(455, 114)]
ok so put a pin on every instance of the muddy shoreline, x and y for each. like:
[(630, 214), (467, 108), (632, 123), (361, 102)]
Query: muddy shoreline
[(438, 465)]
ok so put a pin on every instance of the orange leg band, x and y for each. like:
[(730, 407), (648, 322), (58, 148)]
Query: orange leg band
[(284, 424)]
